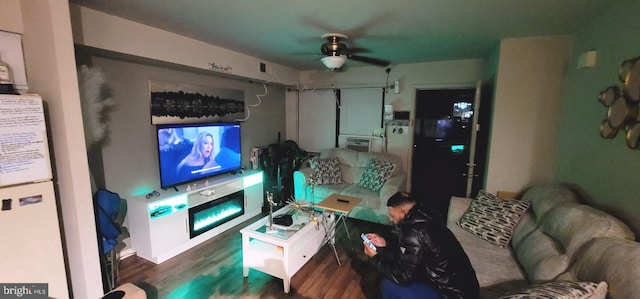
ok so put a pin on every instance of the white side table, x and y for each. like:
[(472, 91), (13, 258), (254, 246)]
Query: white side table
[(283, 253)]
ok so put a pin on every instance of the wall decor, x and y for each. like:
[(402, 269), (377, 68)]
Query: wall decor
[(623, 102), (185, 103), (220, 68), (97, 102)]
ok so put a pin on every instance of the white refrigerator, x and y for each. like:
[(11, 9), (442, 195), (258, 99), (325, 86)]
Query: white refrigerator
[(31, 247)]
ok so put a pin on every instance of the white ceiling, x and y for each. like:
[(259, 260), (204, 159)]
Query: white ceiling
[(288, 32)]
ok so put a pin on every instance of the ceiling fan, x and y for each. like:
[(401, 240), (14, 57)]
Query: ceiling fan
[(336, 53)]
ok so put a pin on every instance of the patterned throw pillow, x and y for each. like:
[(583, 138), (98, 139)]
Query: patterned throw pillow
[(375, 174), (563, 289), (493, 219), (326, 171)]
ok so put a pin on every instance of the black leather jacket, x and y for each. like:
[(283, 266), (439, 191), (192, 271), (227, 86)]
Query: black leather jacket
[(427, 251)]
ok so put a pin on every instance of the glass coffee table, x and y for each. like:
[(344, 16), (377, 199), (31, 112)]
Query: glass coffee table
[(281, 253)]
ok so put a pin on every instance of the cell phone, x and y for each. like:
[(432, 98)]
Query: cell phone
[(366, 240)]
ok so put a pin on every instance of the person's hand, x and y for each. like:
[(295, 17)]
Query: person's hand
[(368, 251), (376, 240)]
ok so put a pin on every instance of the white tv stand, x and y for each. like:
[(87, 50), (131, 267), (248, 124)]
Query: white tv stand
[(159, 226)]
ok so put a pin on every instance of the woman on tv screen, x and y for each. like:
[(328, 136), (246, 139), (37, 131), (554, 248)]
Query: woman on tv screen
[(198, 161), (189, 152)]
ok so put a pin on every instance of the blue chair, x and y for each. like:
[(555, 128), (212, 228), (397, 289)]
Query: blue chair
[(111, 211)]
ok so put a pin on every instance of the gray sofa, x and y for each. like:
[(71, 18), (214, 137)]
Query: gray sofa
[(557, 239), (352, 164)]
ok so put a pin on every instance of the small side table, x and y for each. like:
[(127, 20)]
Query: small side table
[(342, 206)]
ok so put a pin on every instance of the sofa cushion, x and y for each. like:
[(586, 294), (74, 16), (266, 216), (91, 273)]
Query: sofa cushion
[(326, 171), (497, 268), (323, 191), (542, 257), (560, 289), (347, 159), (613, 260), (525, 227), (544, 197), (547, 251), (370, 199), (365, 157), (575, 224), (375, 174), (493, 219)]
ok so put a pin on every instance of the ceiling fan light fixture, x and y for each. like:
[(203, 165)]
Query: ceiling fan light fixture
[(333, 62)]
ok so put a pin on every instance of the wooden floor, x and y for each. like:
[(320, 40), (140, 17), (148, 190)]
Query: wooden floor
[(213, 269)]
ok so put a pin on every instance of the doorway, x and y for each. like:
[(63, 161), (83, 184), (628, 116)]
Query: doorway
[(449, 149)]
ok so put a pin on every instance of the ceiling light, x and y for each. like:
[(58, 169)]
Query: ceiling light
[(333, 62)]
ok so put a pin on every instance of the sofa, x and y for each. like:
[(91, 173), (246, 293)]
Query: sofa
[(555, 240), (352, 167)]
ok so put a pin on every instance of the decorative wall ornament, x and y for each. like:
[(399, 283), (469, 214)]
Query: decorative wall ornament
[(220, 68), (622, 101), (97, 103), (185, 103)]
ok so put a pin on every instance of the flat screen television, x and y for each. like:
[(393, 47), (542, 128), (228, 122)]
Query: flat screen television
[(190, 152)]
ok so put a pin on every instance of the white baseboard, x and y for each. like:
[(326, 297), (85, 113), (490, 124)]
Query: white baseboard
[(126, 252)]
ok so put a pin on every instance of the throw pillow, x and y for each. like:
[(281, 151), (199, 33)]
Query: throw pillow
[(493, 219), (563, 289), (375, 174), (326, 171)]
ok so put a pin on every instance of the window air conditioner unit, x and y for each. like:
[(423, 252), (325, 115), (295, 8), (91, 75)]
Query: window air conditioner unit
[(359, 144)]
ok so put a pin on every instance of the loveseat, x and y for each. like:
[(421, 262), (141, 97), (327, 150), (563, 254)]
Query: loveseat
[(352, 165), (557, 239)]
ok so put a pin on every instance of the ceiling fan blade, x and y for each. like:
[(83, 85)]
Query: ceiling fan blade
[(375, 61), (355, 50)]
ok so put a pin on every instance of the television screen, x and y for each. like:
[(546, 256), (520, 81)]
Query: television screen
[(189, 152)]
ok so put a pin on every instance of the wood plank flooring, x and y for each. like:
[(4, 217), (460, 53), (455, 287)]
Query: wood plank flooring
[(213, 269)]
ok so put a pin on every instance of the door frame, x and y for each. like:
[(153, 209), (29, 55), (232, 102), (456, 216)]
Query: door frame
[(416, 87)]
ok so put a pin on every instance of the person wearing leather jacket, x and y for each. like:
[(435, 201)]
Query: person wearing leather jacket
[(427, 261)]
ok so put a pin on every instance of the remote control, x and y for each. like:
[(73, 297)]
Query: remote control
[(342, 200), (366, 240)]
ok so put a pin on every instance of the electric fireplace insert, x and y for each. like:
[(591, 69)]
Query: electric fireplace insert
[(207, 216)]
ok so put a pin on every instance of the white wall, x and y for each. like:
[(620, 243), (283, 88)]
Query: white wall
[(443, 74), (291, 104), (526, 112), (99, 30), (50, 67), (11, 16)]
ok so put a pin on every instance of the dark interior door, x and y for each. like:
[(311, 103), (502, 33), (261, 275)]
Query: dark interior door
[(442, 146)]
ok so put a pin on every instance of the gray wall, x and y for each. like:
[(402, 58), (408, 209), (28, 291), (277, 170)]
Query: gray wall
[(605, 168), (128, 163)]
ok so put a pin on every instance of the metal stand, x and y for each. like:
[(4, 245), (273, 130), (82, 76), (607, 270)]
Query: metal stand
[(331, 228), (330, 233), (340, 206), (271, 229)]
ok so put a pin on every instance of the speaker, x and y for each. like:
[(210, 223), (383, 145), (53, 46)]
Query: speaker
[(258, 154)]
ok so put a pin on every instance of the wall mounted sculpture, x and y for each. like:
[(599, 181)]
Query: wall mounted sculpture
[(622, 101)]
